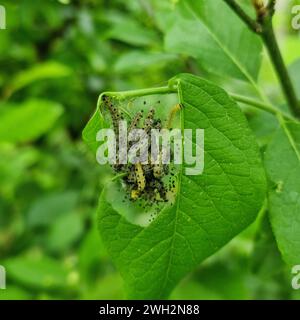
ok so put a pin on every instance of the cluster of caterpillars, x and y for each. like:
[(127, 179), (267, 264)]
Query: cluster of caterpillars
[(142, 181)]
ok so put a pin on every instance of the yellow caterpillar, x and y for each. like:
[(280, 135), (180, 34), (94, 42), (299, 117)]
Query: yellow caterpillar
[(141, 181)]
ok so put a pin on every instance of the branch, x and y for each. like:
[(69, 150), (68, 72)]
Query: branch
[(271, 44), (261, 105), (264, 27), (261, 10), (271, 6), (252, 24), (173, 89)]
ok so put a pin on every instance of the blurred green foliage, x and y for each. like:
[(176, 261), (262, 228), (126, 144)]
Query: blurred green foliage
[(55, 59)]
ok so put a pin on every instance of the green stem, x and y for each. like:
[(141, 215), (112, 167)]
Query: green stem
[(271, 6), (122, 95), (261, 105), (140, 93), (271, 44), (173, 89)]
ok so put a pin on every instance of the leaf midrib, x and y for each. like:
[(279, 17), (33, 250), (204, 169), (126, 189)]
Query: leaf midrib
[(289, 136), (178, 198)]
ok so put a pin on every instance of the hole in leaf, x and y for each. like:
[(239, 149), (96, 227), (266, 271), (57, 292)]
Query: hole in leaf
[(144, 189)]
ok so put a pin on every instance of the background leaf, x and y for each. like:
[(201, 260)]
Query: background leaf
[(222, 45), (37, 272), (28, 121), (130, 31), (135, 61), (282, 161), (294, 70), (49, 208), (64, 232), (47, 70)]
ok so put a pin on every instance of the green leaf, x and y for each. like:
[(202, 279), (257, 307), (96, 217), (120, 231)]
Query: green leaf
[(263, 125), (47, 209), (226, 282), (37, 272), (210, 209), (291, 48), (266, 260), (90, 130), (47, 70), (107, 288), (131, 32), (210, 32), (64, 232), (91, 253), (294, 70), (282, 161), (14, 293), (194, 291), (270, 275), (134, 61), (28, 121)]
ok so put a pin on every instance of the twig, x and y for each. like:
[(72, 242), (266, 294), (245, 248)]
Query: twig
[(271, 6), (174, 89), (261, 10), (261, 105)]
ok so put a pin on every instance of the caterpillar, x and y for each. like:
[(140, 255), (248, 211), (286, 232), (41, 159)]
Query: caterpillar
[(144, 181)]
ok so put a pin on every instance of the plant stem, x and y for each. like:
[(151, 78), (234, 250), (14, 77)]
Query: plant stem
[(141, 92), (266, 31), (122, 95), (260, 105), (271, 6), (271, 44), (173, 89)]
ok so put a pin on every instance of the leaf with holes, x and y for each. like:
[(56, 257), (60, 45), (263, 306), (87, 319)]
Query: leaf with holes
[(209, 210)]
